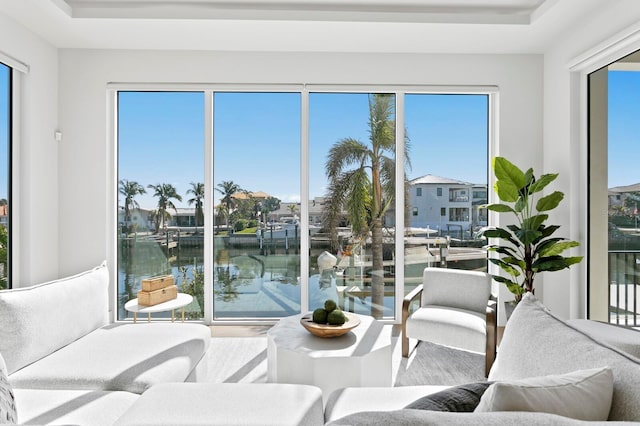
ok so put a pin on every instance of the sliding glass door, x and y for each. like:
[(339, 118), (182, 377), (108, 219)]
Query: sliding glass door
[(161, 193), (257, 229), (313, 195)]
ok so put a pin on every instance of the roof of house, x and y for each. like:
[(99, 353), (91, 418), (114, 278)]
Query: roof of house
[(626, 188), (244, 196), (432, 179)]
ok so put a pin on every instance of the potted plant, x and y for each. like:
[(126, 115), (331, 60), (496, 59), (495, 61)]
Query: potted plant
[(526, 247)]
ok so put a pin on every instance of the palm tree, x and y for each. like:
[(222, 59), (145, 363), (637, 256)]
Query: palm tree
[(197, 190), (165, 192), (129, 190), (362, 183), (293, 209), (228, 188)]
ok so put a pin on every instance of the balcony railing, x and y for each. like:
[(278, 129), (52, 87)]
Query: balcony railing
[(624, 288), (458, 198)]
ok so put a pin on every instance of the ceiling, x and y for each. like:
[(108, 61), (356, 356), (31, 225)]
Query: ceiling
[(417, 26)]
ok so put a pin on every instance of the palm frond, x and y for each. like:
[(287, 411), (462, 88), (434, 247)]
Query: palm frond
[(345, 153)]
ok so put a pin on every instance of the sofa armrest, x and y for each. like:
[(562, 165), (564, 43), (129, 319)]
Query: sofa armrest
[(406, 305)]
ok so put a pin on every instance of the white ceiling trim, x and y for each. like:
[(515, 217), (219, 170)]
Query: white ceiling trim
[(492, 12)]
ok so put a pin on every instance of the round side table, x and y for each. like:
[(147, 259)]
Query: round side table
[(170, 305)]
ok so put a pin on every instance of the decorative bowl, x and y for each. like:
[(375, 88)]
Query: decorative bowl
[(326, 330)]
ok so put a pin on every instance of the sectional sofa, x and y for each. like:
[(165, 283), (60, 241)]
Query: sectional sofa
[(67, 363), (62, 362)]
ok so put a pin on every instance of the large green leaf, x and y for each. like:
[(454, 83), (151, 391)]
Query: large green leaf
[(548, 230), (549, 202), (557, 248), (521, 204), (508, 172), (505, 267), (502, 234), (506, 190), (516, 261), (500, 208), (542, 182), (554, 263), (507, 251), (512, 286), (534, 222), (544, 245), (527, 236), (573, 260)]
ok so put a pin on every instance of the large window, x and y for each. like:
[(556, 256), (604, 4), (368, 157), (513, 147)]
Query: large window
[(5, 174), (161, 193), (614, 128), (257, 230), (352, 151), (304, 196), (449, 158)]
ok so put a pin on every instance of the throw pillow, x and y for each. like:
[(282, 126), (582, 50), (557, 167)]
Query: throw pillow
[(8, 413), (582, 395), (463, 398)]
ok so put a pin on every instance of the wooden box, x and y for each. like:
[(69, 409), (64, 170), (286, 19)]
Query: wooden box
[(156, 283), (150, 298)]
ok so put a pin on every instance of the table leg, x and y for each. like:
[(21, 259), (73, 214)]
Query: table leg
[(135, 317), (183, 314), (173, 316), (149, 317)]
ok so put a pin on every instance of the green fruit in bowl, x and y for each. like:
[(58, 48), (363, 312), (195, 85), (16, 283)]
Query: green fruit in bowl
[(330, 305), (320, 316), (336, 317)]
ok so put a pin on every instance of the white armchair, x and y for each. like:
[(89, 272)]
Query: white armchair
[(457, 309)]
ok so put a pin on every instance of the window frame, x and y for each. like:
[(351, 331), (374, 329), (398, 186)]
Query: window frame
[(492, 93), (586, 284)]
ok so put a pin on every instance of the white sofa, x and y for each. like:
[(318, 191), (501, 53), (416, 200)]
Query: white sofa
[(68, 365), (536, 344)]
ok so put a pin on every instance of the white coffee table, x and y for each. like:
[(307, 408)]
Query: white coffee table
[(170, 305), (362, 357)]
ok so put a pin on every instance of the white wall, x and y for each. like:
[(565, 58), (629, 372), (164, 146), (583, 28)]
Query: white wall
[(84, 75), (564, 143), (36, 212)]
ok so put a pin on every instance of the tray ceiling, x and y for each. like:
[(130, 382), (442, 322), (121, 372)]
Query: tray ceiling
[(435, 11)]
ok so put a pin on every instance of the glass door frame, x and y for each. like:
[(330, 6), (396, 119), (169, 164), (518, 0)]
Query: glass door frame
[(209, 91)]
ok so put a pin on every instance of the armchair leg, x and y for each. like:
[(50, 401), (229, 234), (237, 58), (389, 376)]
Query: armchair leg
[(405, 344)]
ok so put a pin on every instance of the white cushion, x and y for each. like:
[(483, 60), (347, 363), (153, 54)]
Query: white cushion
[(41, 319), (129, 357), (228, 404), (72, 407), (449, 326), (343, 402), (583, 395), (457, 288), (537, 343)]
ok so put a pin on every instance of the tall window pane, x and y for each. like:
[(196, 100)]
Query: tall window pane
[(623, 196), (449, 162), (352, 189), (5, 173), (161, 194), (257, 205)]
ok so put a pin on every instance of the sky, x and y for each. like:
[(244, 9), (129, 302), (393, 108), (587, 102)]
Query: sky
[(257, 138), (624, 127)]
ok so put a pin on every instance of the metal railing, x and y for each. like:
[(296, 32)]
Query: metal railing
[(624, 288)]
